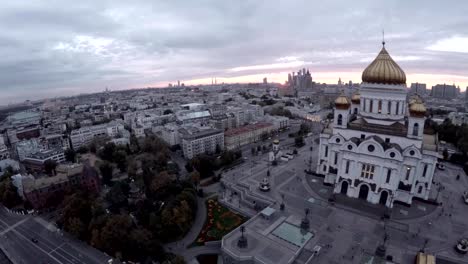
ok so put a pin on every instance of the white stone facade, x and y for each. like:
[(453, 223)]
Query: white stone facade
[(377, 151)]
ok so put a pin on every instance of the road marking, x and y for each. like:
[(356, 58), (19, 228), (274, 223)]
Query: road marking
[(13, 226)]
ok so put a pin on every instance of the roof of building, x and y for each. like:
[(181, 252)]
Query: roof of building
[(395, 129), (63, 172), (246, 129), (384, 70)]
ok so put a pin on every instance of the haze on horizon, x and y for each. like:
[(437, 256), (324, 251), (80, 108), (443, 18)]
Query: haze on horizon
[(71, 47)]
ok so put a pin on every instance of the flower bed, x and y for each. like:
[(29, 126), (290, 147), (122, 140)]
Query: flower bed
[(219, 222)]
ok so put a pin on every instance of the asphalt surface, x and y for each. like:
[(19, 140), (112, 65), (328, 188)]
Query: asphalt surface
[(52, 246)]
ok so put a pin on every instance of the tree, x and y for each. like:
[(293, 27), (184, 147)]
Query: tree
[(330, 116), (8, 193), (167, 111), (120, 158), (161, 181), (106, 170), (445, 154), (49, 167), (107, 152), (195, 178), (116, 196), (70, 155), (188, 167), (299, 141)]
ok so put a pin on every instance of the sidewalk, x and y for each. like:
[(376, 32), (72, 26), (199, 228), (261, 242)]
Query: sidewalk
[(180, 247)]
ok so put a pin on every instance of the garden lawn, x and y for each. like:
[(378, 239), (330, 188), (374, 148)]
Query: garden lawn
[(219, 222)]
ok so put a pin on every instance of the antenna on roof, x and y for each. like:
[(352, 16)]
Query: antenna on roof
[(383, 37)]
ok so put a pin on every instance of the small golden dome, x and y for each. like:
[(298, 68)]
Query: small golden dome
[(384, 70), (417, 108), (276, 141), (342, 102), (356, 98)]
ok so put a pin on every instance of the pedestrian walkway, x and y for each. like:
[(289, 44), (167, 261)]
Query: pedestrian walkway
[(418, 209)]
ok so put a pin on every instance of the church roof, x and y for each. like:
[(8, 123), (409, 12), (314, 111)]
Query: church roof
[(384, 70)]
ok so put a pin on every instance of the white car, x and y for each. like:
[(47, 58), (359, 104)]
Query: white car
[(465, 197)]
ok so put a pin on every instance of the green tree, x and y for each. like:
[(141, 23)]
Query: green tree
[(106, 170), (116, 196), (50, 166), (9, 193), (120, 158), (299, 141), (195, 178), (167, 111), (70, 155)]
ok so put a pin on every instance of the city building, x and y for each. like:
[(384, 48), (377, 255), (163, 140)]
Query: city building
[(378, 151), (40, 191), (418, 88), (34, 162), (198, 140), (301, 81), (241, 136), (444, 91), (83, 136)]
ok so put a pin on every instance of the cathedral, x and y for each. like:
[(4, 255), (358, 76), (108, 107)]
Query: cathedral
[(375, 149)]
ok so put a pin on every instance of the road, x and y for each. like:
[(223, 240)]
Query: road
[(52, 247)]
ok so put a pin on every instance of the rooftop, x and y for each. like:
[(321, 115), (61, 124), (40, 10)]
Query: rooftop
[(247, 128)]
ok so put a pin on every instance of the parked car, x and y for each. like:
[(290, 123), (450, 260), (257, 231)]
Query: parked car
[(441, 166), (34, 240), (465, 197)]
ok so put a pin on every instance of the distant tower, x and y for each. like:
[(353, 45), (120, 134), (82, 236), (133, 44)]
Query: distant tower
[(265, 80), (339, 82), (178, 83)]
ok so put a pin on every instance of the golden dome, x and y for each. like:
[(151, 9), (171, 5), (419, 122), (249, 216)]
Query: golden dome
[(356, 98), (384, 70), (342, 102), (417, 108), (276, 141)]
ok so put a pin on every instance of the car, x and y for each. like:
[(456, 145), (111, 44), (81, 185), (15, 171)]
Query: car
[(441, 166), (465, 197), (34, 240)]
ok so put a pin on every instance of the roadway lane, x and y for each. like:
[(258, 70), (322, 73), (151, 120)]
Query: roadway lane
[(52, 247)]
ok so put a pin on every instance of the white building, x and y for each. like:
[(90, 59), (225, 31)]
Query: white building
[(83, 136), (458, 118), (170, 134), (197, 141), (376, 148)]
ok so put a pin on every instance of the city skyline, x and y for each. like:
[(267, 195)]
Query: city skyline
[(53, 50)]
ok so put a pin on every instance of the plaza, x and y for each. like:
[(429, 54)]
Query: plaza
[(349, 229)]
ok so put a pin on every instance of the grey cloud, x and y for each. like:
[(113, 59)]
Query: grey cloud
[(161, 41)]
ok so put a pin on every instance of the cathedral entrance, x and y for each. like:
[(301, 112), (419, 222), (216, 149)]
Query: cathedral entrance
[(383, 197), (344, 187), (363, 192)]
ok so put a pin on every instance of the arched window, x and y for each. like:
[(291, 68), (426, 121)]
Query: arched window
[(371, 106), (355, 111), (380, 107), (416, 129), (420, 189), (397, 111), (389, 107), (339, 120), (326, 151)]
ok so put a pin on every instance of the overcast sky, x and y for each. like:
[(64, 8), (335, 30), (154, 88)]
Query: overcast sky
[(53, 48)]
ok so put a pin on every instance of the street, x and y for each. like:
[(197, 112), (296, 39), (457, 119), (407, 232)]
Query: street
[(52, 246)]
